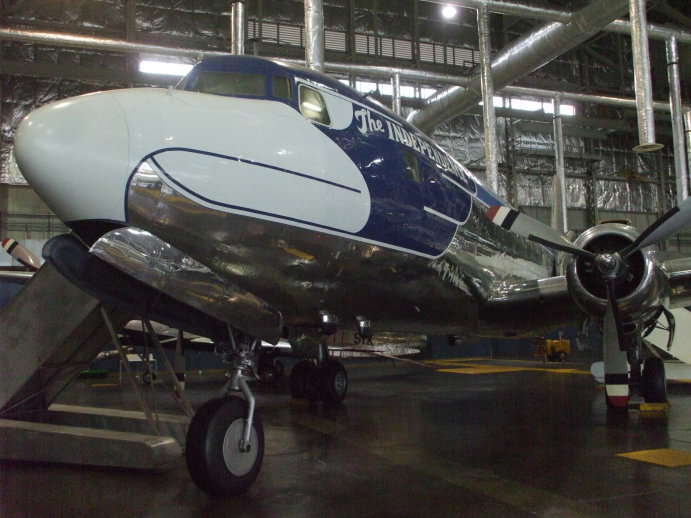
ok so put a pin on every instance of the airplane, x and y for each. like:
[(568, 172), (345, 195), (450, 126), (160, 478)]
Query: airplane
[(277, 202)]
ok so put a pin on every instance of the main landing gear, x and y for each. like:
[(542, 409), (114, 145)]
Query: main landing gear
[(632, 373), (326, 382), (225, 440), (323, 379)]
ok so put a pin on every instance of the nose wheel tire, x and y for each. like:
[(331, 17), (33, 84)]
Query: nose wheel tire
[(215, 460)]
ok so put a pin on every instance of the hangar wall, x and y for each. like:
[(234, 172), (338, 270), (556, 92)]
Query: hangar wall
[(605, 178)]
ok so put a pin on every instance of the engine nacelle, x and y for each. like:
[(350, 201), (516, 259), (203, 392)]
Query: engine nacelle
[(639, 291)]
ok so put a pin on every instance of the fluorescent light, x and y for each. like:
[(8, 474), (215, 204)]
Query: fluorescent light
[(164, 68), (449, 11)]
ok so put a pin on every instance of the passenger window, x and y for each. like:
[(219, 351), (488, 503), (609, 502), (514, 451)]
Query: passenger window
[(282, 88), (312, 105), (412, 166), (231, 83)]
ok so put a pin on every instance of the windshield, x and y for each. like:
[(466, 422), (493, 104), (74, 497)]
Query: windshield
[(227, 83)]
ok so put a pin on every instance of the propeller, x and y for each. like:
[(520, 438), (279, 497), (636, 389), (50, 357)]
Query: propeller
[(21, 254), (610, 266)]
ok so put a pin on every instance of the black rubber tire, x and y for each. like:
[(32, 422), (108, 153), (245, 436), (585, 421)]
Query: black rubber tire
[(333, 382), (654, 382), (204, 449), (561, 356), (300, 386)]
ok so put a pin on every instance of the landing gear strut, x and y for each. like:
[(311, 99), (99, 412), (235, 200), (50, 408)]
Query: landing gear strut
[(225, 440)]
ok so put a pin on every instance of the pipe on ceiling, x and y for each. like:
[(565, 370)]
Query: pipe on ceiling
[(556, 15), (643, 84), (489, 118), (314, 34), (237, 28), (519, 59), (112, 45), (560, 220), (396, 97), (680, 157), (687, 126)]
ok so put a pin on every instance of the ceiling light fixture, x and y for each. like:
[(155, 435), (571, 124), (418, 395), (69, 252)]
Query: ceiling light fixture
[(449, 11)]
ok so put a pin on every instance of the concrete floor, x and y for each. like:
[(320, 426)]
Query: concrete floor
[(407, 442)]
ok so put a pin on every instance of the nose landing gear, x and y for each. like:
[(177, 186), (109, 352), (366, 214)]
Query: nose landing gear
[(225, 440)]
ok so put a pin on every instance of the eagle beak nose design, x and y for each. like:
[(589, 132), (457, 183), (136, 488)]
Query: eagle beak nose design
[(74, 153)]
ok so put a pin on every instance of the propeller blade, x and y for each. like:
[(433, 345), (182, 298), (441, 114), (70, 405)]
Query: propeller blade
[(670, 223), (21, 254), (615, 361), (536, 231)]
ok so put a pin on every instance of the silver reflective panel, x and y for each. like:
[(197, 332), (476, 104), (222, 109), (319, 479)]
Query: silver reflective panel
[(165, 268), (304, 272)]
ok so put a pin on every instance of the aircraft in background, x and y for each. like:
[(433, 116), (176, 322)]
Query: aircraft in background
[(280, 203)]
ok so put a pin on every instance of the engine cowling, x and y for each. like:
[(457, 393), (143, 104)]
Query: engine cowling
[(640, 289)]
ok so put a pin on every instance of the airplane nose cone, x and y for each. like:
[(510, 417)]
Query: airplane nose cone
[(74, 153)]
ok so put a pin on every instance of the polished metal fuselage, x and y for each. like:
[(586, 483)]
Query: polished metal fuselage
[(305, 273)]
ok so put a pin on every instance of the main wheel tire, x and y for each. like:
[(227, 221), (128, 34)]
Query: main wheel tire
[(333, 382), (654, 382), (213, 456), (300, 386)]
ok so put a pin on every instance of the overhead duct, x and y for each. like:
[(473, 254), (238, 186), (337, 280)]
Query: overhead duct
[(314, 34), (97, 43), (519, 59), (642, 81), (114, 45), (556, 15), (687, 126), (237, 28), (488, 115), (396, 98), (559, 207), (681, 171)]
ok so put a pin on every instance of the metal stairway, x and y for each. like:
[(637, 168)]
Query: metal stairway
[(49, 333)]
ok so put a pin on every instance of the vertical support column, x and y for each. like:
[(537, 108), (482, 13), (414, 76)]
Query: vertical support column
[(416, 31), (687, 130), (351, 30), (396, 100), (642, 80), (130, 35), (559, 209), (237, 28), (488, 114), (680, 170), (314, 35)]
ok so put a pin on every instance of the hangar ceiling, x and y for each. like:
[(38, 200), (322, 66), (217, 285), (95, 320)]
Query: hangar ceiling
[(366, 41)]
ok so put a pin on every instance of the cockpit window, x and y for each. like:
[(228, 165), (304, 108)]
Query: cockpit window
[(231, 83), (312, 105), (282, 88)]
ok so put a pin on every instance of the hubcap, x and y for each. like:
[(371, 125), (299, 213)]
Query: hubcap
[(238, 462)]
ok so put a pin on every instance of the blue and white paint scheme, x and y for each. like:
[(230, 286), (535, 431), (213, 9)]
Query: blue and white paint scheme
[(264, 200), (248, 158)]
